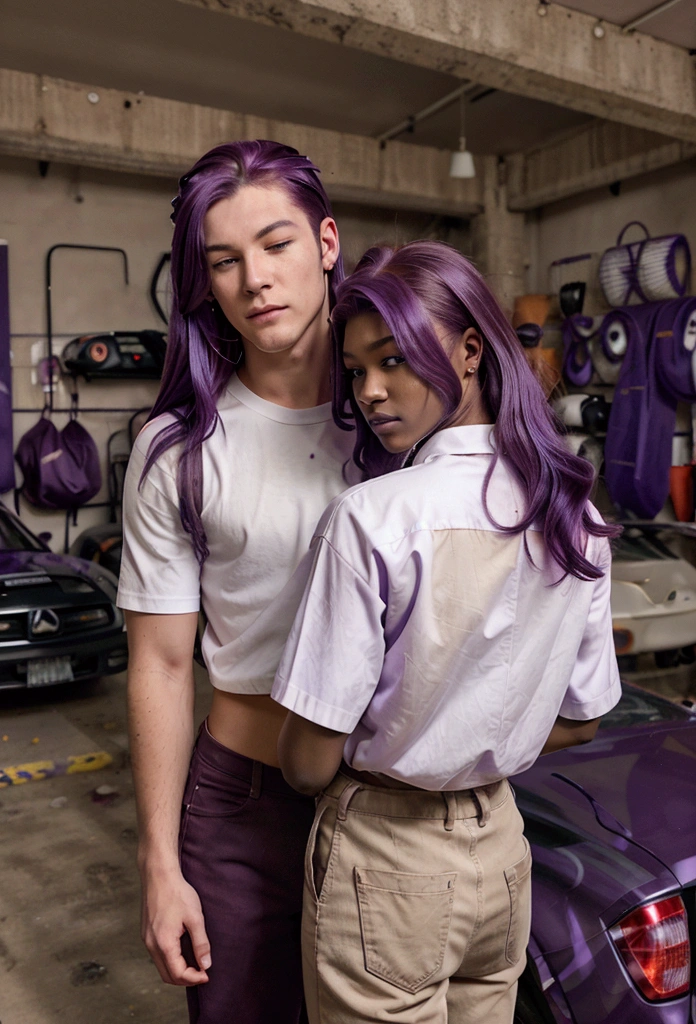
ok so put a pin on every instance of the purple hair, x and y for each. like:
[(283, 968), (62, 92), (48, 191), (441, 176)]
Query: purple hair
[(203, 348), (421, 282)]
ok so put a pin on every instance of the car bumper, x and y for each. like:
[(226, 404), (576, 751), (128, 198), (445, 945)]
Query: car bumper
[(100, 656), (658, 632)]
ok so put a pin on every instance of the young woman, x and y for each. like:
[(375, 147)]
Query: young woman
[(224, 488), (456, 625)]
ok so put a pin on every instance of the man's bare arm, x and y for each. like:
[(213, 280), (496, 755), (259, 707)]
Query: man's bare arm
[(160, 716), (567, 732)]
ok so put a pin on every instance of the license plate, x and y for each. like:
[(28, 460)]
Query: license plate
[(45, 671)]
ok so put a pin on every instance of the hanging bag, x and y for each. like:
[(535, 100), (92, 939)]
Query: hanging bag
[(60, 468), (651, 269)]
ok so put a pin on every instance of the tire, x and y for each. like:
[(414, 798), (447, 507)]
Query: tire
[(531, 1006)]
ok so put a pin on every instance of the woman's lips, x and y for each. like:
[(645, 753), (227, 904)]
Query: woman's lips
[(266, 315), (381, 424)]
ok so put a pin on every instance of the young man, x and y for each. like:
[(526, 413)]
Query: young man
[(224, 489)]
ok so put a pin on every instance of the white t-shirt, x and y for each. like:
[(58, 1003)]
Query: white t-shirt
[(429, 636), (268, 474)]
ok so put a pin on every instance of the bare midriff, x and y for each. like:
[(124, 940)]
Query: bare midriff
[(249, 724)]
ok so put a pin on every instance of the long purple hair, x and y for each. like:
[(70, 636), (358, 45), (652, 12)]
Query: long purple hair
[(421, 282), (203, 348)]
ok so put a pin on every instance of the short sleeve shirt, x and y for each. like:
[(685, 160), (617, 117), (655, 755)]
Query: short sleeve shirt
[(268, 474), (428, 634)]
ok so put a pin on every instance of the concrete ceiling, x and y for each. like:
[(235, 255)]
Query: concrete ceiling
[(676, 25), (182, 52)]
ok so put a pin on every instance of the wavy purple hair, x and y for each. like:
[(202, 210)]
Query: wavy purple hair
[(203, 348), (421, 282)]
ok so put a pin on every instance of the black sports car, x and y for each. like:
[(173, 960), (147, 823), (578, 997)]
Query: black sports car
[(58, 617)]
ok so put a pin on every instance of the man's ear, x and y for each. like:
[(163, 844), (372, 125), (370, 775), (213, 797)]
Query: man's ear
[(328, 243), (466, 353)]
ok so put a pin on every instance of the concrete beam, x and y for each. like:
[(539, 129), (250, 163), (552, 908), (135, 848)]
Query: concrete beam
[(634, 78), (51, 119), (588, 157)]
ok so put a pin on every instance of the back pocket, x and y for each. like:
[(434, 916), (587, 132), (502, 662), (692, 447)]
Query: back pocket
[(404, 923), (519, 883)]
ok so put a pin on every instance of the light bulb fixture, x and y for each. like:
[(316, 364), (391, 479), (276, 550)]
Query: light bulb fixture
[(462, 163), (599, 31), (543, 8)]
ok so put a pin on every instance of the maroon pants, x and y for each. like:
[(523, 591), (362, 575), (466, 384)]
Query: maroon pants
[(242, 843)]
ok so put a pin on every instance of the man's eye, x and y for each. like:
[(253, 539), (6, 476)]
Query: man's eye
[(278, 247)]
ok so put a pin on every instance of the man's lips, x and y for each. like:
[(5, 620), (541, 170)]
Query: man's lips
[(255, 314)]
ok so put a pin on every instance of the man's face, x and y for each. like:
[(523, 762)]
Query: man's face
[(267, 266)]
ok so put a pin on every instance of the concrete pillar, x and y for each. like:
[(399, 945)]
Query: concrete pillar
[(497, 237)]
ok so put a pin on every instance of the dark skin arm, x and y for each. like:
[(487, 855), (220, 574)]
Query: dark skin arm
[(567, 732), (310, 755)]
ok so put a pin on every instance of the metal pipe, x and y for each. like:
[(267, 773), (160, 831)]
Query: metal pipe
[(49, 307), (434, 108), (649, 14)]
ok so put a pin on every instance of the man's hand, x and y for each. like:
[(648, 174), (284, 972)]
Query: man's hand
[(171, 907)]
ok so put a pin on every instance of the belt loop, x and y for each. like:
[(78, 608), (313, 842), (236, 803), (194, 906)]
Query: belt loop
[(256, 777), (345, 798), (451, 805), (484, 806)]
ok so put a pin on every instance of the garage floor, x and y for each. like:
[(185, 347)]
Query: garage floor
[(70, 948)]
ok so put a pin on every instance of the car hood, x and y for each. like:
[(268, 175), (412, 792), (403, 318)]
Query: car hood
[(42, 563), (643, 780)]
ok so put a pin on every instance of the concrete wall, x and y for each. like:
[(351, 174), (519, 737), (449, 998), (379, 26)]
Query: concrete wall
[(663, 200), (103, 208)]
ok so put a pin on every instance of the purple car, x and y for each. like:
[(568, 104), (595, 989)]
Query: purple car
[(612, 826)]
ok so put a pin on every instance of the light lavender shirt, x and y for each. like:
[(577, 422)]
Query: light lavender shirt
[(428, 634)]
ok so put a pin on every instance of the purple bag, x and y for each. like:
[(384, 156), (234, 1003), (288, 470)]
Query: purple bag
[(655, 375), (61, 469)]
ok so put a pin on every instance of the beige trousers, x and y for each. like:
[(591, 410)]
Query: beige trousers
[(416, 906)]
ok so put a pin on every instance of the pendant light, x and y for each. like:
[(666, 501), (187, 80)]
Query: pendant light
[(462, 163)]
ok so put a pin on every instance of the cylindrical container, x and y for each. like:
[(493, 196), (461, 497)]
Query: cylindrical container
[(681, 491), (648, 270), (530, 309)]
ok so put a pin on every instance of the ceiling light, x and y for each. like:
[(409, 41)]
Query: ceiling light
[(462, 163), (599, 31), (543, 9)]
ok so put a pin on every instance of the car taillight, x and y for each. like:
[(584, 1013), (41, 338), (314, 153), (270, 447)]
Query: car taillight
[(654, 944), (623, 641)]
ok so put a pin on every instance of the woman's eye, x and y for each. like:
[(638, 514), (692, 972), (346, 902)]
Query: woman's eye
[(353, 373), (228, 262), (393, 361)]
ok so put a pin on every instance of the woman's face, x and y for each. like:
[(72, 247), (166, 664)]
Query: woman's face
[(399, 407)]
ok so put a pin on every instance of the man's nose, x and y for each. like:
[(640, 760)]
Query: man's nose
[(256, 275)]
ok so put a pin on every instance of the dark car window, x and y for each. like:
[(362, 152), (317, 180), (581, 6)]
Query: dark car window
[(637, 707), (635, 546), (14, 538)]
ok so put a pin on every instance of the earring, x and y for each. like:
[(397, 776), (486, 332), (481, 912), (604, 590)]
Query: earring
[(472, 369)]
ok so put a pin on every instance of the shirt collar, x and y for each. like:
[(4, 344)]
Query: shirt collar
[(475, 439)]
